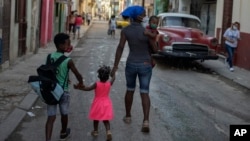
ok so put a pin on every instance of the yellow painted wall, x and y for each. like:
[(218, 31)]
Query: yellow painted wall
[(219, 15)]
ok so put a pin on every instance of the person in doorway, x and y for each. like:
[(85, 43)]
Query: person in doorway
[(78, 24), (62, 43), (101, 107), (112, 25), (138, 62), (231, 36)]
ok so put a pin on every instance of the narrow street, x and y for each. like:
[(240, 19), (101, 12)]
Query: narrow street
[(187, 104)]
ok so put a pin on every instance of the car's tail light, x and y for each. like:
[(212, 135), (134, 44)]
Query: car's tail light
[(214, 42), (166, 38)]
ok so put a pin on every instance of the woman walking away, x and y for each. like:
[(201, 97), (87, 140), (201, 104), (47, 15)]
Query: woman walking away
[(101, 108), (231, 36), (138, 62)]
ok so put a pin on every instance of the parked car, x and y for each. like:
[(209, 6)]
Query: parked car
[(180, 37), (121, 23)]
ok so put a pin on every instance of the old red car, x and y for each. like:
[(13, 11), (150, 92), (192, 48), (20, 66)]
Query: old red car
[(180, 37)]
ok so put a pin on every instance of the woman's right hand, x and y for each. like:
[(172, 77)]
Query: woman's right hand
[(78, 86)]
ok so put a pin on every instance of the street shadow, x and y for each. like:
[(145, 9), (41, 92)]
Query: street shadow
[(182, 64)]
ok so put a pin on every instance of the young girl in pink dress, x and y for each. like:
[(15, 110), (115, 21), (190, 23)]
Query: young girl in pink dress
[(101, 108)]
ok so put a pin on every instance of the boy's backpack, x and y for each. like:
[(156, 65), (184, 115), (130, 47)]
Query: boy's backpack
[(46, 84)]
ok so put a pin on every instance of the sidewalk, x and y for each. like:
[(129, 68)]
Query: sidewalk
[(240, 76), (16, 96)]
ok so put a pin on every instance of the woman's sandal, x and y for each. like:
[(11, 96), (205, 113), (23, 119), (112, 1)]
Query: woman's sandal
[(127, 120), (94, 133), (145, 126), (109, 135)]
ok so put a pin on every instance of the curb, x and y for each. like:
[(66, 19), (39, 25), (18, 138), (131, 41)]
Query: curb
[(236, 80), (12, 121), (225, 73), (222, 57)]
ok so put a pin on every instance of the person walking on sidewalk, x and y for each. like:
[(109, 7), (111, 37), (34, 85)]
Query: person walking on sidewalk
[(62, 43), (138, 62), (231, 36), (101, 107), (88, 18), (71, 21), (78, 24)]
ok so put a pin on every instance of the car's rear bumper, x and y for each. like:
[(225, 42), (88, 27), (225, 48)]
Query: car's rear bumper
[(190, 55)]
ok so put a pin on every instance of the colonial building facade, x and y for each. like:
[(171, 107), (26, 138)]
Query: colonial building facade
[(26, 25), (19, 29), (229, 11)]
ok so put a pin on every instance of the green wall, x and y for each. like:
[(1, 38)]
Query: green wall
[(161, 6), (59, 18)]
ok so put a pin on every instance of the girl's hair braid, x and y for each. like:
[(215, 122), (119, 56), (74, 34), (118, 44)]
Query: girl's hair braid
[(103, 73)]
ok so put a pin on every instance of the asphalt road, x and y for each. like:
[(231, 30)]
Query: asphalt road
[(188, 103)]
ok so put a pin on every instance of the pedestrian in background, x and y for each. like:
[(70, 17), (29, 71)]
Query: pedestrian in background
[(78, 24), (138, 62), (101, 107), (83, 17), (231, 36), (88, 18), (62, 43), (112, 26), (71, 20)]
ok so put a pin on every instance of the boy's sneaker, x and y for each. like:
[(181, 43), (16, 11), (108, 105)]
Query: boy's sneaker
[(64, 136)]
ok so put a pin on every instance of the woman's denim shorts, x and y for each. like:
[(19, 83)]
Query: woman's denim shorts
[(144, 73)]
